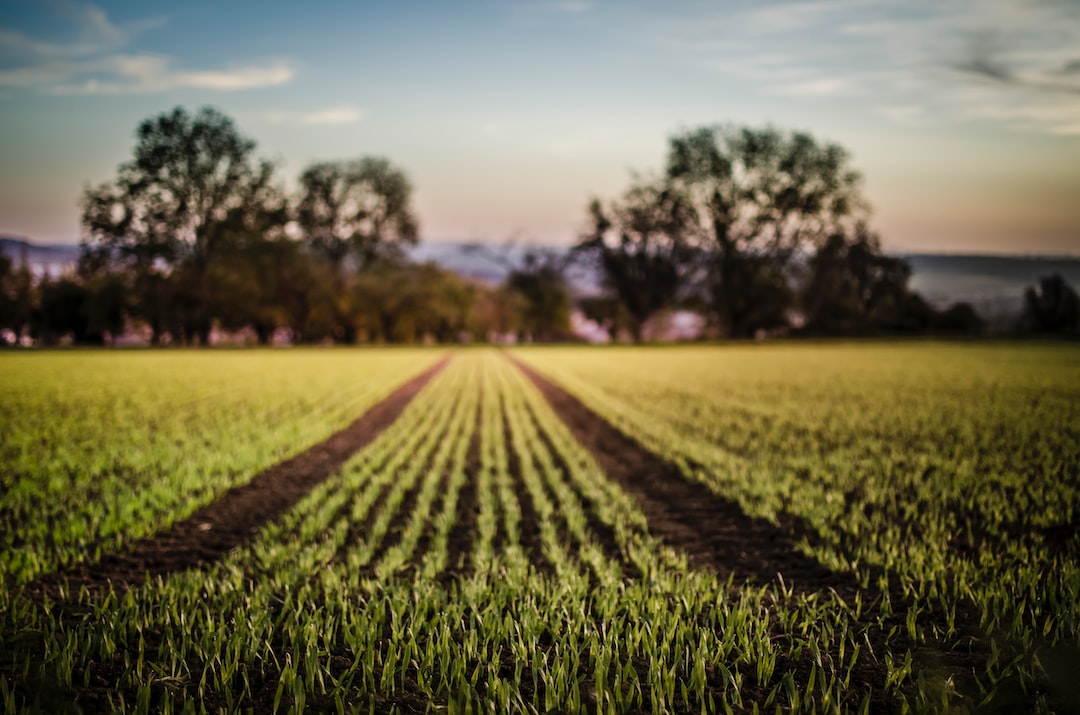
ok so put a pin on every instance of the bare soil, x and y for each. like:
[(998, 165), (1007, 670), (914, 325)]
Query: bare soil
[(712, 531), (235, 517)]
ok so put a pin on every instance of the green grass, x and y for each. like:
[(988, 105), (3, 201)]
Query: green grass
[(102, 447), (950, 469), (945, 468)]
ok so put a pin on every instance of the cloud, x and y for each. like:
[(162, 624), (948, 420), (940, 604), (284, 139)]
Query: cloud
[(89, 64), (889, 54), (986, 68), (346, 114), (148, 74), (339, 115), (818, 87), (904, 113), (1034, 113), (93, 34)]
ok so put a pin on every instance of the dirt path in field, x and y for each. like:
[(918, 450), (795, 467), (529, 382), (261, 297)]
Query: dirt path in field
[(713, 532), (235, 517)]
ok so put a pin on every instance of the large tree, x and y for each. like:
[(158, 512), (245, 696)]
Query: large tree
[(854, 288), (642, 246), (192, 186), (539, 289), (760, 198), (356, 209), (1051, 307)]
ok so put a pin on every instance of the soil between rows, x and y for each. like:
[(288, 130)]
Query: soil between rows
[(713, 532), (235, 517)]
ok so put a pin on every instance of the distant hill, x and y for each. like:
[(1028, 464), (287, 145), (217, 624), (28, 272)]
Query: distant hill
[(994, 285), (51, 259)]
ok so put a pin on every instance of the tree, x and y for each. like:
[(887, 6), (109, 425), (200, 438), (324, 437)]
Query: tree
[(355, 214), (853, 288), (359, 209), (400, 301), (642, 247), (1051, 307), (758, 199), (192, 183), (17, 296), (544, 296)]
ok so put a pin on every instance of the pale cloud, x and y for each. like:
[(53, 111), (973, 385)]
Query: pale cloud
[(346, 114), (904, 113), (894, 55), (337, 115), (1045, 114), (818, 87), (149, 74), (90, 65), (93, 34)]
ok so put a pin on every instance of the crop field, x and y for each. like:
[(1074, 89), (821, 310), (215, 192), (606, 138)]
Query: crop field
[(874, 527)]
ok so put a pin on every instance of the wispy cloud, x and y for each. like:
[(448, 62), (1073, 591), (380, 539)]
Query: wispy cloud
[(345, 114), (91, 64), (816, 87), (145, 74), (904, 113), (893, 54), (92, 33)]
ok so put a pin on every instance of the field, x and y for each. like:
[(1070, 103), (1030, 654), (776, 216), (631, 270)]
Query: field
[(866, 527)]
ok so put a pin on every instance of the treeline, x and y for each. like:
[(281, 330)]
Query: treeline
[(195, 234), (760, 231)]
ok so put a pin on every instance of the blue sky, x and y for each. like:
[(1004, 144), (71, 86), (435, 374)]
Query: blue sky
[(964, 117)]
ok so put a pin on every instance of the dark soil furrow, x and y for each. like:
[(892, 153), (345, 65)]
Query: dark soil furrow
[(602, 533), (235, 517), (439, 465), (712, 531), (529, 526), (398, 522), (459, 542), (359, 528), (427, 533)]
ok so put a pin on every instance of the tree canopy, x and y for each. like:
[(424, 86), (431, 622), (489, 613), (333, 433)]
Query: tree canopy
[(757, 199), (192, 187), (359, 209), (765, 230), (760, 230)]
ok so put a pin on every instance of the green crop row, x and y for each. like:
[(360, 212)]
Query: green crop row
[(944, 477), (476, 558), (558, 599), (102, 448)]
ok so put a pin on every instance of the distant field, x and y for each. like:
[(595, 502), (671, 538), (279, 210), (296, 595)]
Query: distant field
[(806, 527)]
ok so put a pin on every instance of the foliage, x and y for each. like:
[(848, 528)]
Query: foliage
[(643, 248), (730, 227), (191, 189), (1051, 307), (543, 297), (758, 197), (359, 209)]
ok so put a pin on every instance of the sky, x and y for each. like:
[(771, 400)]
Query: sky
[(509, 116)]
